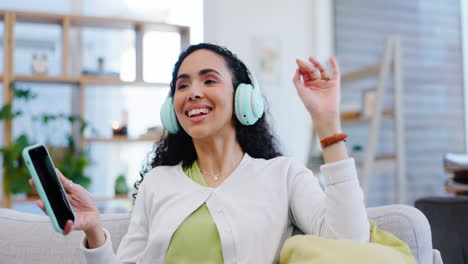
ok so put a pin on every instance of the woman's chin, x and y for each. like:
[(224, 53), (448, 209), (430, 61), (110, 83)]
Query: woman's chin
[(199, 132)]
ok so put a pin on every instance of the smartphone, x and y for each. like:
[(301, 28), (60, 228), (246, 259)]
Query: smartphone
[(48, 186)]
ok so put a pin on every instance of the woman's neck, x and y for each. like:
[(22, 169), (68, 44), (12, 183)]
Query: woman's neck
[(218, 154)]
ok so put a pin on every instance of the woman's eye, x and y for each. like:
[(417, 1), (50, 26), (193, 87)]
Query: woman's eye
[(182, 86), (210, 82)]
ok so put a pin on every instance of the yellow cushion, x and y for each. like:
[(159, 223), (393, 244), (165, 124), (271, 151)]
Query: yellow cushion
[(384, 248)]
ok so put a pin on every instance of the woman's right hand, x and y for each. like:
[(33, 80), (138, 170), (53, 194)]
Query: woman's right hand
[(86, 213)]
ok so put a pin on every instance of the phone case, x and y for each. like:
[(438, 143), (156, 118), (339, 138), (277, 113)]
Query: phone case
[(40, 188)]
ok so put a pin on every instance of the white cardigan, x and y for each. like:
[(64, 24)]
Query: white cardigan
[(254, 209)]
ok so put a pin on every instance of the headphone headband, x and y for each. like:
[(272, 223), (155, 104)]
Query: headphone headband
[(253, 78)]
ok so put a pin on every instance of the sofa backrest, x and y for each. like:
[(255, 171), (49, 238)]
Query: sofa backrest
[(29, 238)]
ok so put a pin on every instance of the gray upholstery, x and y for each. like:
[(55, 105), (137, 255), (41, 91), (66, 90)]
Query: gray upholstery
[(448, 217), (408, 224), (27, 238)]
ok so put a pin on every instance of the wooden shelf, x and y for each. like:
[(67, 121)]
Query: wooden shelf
[(356, 116), (96, 80), (41, 18), (361, 74), (87, 21), (46, 79), (102, 80), (120, 139), (103, 22), (118, 23)]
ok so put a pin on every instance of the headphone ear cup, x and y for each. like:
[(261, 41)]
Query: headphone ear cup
[(257, 103), (169, 117), (243, 104)]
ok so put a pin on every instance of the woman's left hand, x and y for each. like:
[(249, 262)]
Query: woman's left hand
[(320, 94)]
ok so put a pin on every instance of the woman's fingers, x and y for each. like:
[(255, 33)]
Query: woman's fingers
[(40, 204), (31, 182), (323, 72), (62, 178), (66, 183), (306, 68), (68, 227), (335, 68), (297, 79)]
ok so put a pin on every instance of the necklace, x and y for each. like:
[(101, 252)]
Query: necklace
[(216, 176)]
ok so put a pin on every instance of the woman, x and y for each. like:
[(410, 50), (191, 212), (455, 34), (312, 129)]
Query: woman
[(217, 189)]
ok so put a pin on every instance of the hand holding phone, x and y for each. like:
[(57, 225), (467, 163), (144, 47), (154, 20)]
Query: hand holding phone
[(69, 206)]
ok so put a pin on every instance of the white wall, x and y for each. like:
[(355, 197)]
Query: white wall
[(464, 23), (303, 28), (48, 6)]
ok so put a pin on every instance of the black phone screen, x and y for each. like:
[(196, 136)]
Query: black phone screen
[(50, 181)]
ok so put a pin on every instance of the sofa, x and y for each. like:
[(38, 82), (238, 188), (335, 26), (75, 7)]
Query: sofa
[(29, 238)]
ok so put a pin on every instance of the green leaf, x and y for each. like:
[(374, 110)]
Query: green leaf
[(6, 112), (72, 119), (25, 94), (45, 118), (84, 124)]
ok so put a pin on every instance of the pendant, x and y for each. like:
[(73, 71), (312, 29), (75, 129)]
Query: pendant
[(215, 177)]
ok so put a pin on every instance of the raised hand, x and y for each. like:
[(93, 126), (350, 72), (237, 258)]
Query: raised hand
[(320, 93)]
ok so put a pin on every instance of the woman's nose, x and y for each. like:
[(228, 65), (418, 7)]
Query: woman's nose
[(194, 97), (194, 94)]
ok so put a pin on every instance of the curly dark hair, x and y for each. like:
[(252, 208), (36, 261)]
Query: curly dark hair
[(256, 140)]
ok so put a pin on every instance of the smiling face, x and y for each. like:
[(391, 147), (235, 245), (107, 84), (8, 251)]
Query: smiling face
[(203, 98)]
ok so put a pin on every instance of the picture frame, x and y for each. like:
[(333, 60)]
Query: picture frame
[(266, 52)]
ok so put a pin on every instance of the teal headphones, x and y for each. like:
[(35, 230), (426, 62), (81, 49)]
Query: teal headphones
[(248, 106)]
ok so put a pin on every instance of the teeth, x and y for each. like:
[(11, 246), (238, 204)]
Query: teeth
[(198, 111)]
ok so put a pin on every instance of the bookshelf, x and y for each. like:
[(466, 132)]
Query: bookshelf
[(67, 22)]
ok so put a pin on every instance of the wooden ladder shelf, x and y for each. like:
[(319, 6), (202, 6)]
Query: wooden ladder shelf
[(390, 62)]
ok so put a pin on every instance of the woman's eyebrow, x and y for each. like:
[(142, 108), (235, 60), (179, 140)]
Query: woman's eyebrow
[(206, 71), (183, 76), (202, 72)]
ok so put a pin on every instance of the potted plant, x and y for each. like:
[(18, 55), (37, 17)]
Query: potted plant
[(121, 187), (16, 174), (72, 161)]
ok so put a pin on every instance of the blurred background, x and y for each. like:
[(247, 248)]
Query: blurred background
[(87, 78)]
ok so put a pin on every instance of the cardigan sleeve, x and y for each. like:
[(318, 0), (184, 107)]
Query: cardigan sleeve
[(339, 211), (133, 242)]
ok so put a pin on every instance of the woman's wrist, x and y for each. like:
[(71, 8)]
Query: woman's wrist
[(326, 127), (95, 237)]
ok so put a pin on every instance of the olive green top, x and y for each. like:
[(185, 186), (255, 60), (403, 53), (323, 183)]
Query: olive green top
[(197, 239)]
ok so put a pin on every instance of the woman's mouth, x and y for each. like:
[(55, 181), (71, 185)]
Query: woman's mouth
[(198, 114)]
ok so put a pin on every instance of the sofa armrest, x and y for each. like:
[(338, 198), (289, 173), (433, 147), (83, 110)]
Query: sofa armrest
[(437, 257), (408, 224)]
